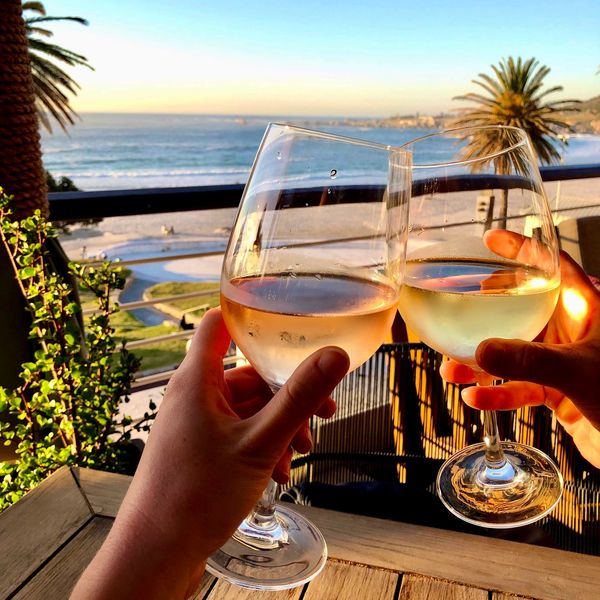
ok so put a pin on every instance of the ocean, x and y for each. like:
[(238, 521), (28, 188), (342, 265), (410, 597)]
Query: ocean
[(129, 151)]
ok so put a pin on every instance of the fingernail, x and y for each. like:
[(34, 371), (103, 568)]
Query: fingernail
[(333, 362)]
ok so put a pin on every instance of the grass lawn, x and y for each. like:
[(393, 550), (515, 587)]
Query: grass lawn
[(171, 288), (161, 354)]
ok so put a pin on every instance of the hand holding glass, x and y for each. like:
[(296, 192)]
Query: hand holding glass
[(315, 259), (471, 276)]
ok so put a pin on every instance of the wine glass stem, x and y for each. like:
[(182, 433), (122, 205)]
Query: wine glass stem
[(496, 471), (262, 529), (263, 514), (494, 457)]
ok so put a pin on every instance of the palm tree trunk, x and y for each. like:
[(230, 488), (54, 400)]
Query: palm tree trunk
[(21, 170), (21, 175)]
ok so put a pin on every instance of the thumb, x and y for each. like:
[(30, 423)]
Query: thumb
[(305, 391), (545, 364)]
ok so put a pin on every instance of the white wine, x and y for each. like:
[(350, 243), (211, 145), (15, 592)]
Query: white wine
[(453, 305), (279, 320)]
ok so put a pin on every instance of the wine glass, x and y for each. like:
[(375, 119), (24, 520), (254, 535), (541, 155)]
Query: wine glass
[(482, 261), (315, 258)]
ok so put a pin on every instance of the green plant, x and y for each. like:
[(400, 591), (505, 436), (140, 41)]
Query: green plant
[(66, 409)]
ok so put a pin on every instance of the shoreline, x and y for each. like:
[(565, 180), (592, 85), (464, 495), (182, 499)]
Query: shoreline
[(208, 231)]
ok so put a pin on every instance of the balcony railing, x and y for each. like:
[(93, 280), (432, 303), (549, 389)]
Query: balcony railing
[(416, 420), (74, 206)]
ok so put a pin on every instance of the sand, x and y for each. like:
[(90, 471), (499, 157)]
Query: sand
[(210, 229), (143, 235)]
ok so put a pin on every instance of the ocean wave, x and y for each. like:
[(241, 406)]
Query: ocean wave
[(142, 173)]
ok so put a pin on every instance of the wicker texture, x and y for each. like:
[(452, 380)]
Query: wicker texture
[(397, 421)]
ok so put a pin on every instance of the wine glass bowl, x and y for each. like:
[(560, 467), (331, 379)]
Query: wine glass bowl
[(315, 259), (482, 262)]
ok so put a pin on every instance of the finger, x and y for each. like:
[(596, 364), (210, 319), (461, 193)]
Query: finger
[(327, 409), (572, 369), (505, 243), (249, 407), (499, 281), (307, 389), (455, 372), (281, 472), (578, 299), (545, 364), (567, 413), (515, 246), (203, 362), (508, 396), (245, 381), (302, 440)]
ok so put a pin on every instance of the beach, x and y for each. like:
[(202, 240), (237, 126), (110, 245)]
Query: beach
[(195, 231), (112, 151)]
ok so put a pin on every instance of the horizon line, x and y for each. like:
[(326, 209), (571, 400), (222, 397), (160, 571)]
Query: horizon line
[(266, 115)]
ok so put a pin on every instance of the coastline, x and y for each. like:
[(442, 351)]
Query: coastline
[(208, 231)]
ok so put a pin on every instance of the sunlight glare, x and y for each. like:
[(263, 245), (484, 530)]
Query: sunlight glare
[(575, 304)]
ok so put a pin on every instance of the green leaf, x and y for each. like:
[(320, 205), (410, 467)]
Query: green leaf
[(27, 273)]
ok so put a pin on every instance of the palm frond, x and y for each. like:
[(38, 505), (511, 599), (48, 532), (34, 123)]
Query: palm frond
[(37, 7), (62, 54), (514, 95), (49, 98), (45, 19), (52, 85), (39, 31)]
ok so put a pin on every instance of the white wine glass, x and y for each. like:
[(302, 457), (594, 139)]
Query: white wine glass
[(483, 261), (315, 258)]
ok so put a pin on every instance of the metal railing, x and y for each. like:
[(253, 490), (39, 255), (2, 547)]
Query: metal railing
[(74, 206), (65, 206)]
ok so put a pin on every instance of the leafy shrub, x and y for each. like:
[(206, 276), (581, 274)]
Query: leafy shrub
[(66, 409)]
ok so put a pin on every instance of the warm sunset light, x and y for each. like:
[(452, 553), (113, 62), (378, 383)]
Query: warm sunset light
[(244, 214), (574, 303), (311, 58)]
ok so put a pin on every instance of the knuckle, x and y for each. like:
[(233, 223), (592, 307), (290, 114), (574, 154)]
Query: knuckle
[(532, 358), (295, 391)]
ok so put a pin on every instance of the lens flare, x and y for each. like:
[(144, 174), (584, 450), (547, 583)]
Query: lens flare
[(575, 304)]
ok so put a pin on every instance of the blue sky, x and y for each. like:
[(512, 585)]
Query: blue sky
[(308, 57)]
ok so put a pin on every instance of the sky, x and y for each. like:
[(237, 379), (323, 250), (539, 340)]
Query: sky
[(373, 58)]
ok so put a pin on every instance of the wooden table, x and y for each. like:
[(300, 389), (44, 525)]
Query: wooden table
[(50, 535)]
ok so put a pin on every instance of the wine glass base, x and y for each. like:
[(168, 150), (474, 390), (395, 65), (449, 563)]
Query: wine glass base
[(292, 564), (526, 490)]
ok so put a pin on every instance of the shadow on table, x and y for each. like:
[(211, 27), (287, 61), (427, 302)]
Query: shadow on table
[(397, 422)]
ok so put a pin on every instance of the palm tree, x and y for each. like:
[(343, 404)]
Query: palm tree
[(51, 84), (21, 171), (515, 96), (21, 175)]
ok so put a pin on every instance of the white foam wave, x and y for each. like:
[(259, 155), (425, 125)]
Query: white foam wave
[(141, 173)]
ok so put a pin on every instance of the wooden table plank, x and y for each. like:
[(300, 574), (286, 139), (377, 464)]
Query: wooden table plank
[(344, 581), (227, 591), (473, 560), (56, 580), (205, 584), (502, 596), (104, 491), (418, 587), (35, 527)]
